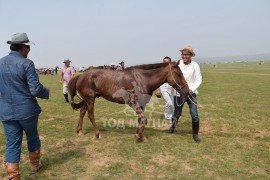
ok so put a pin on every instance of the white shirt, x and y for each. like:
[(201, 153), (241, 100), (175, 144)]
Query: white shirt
[(192, 74), (166, 87)]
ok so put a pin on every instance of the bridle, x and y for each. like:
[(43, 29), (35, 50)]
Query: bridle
[(181, 87)]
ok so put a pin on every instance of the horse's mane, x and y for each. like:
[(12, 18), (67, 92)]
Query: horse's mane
[(147, 66), (93, 67), (143, 66)]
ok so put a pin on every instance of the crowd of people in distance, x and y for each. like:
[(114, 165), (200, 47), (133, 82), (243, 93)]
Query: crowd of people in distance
[(54, 71), (47, 71), (119, 67)]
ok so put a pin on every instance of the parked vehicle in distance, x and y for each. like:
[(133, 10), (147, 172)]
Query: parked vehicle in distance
[(81, 69)]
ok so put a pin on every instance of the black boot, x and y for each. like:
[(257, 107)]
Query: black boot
[(174, 123), (195, 129), (66, 98)]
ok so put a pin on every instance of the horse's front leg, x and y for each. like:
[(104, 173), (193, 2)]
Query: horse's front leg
[(142, 122), (80, 122)]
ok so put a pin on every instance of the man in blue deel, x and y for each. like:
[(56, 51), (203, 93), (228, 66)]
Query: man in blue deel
[(19, 110)]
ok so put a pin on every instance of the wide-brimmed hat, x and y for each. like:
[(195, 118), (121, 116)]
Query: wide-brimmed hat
[(189, 49), (66, 60), (20, 38)]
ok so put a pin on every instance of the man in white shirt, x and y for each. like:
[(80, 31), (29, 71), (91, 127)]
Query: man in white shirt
[(192, 74), (166, 91)]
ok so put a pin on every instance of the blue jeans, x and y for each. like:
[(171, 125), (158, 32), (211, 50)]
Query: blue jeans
[(14, 134), (178, 106)]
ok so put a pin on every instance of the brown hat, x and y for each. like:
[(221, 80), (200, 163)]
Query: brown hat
[(189, 49)]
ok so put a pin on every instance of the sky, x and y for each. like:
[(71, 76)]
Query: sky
[(99, 32)]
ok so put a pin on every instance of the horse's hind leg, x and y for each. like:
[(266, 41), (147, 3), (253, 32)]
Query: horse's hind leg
[(90, 106), (80, 123)]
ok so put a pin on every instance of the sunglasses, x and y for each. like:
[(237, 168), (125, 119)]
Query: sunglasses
[(185, 54)]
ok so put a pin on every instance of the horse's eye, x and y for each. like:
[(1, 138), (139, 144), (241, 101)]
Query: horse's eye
[(178, 73)]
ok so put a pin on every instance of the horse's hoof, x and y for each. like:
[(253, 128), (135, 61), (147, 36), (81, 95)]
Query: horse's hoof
[(140, 138), (80, 133), (137, 137), (99, 136), (144, 139)]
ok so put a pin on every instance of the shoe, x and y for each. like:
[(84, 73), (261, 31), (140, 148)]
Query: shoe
[(12, 171), (174, 124), (171, 130), (66, 98), (195, 129), (35, 160), (196, 138)]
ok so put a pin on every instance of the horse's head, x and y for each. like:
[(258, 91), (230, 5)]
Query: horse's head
[(176, 79)]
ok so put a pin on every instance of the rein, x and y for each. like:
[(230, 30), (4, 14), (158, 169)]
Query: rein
[(181, 87), (196, 103)]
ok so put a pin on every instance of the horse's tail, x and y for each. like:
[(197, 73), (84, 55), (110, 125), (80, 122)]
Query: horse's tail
[(73, 92)]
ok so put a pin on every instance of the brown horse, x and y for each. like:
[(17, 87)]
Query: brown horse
[(133, 86)]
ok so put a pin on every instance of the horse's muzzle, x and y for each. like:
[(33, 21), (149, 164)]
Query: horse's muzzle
[(183, 94)]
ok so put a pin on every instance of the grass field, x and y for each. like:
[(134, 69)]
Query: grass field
[(235, 134)]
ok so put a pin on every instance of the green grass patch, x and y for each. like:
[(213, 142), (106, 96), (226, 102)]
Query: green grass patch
[(235, 134)]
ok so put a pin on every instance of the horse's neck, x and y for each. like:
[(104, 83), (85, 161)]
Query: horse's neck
[(155, 78)]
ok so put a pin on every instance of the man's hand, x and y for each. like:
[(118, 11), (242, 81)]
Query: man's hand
[(190, 91), (158, 94)]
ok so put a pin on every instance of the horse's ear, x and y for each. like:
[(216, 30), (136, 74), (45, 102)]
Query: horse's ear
[(176, 63)]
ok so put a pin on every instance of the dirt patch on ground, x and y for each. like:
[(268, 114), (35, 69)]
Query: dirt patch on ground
[(224, 128), (185, 166), (206, 129), (258, 171), (52, 117), (261, 134), (209, 173), (102, 162), (208, 158), (163, 159)]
